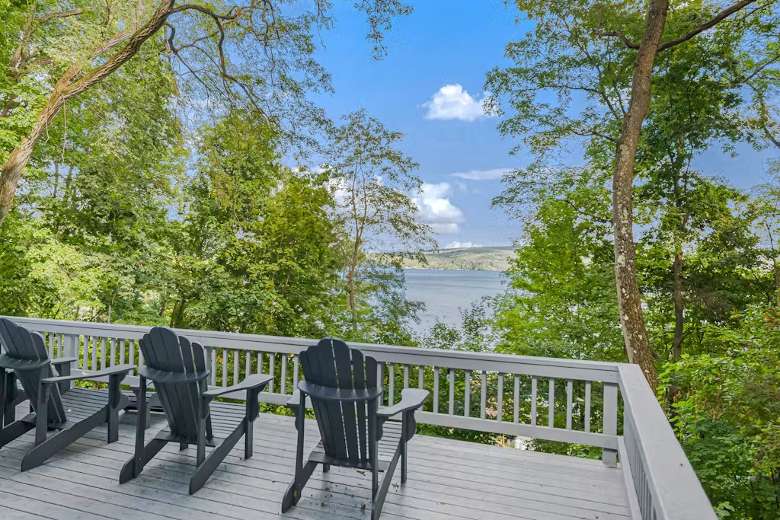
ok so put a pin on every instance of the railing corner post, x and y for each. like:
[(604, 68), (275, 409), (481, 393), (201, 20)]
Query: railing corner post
[(609, 456)]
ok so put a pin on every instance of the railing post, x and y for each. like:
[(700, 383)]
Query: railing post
[(71, 346), (608, 456)]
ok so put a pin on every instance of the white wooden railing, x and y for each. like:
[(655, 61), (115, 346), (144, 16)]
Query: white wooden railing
[(544, 398)]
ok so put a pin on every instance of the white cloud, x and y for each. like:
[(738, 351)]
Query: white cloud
[(435, 208), (461, 245), (454, 102), (482, 175)]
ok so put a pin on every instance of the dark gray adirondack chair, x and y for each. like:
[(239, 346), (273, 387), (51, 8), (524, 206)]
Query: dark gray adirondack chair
[(10, 394), (342, 385), (178, 369), (55, 406)]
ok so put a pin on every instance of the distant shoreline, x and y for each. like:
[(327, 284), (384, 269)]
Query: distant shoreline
[(496, 259), (461, 269)]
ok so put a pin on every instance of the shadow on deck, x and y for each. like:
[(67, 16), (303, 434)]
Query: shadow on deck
[(448, 479)]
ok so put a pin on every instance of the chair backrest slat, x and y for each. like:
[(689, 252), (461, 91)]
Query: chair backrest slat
[(21, 344), (343, 427), (167, 353)]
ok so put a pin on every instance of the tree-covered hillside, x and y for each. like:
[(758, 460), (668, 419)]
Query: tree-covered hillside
[(465, 258)]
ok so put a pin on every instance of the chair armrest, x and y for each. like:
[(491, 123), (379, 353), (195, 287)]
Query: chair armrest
[(113, 371), (327, 393), (253, 382), (295, 400), (56, 362), (411, 399)]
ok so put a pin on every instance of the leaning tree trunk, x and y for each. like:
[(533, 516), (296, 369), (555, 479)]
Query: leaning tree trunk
[(66, 87), (629, 298), (12, 168)]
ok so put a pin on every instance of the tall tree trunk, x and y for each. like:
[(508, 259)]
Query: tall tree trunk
[(177, 313), (679, 304), (351, 280), (629, 298), (66, 87), (679, 321)]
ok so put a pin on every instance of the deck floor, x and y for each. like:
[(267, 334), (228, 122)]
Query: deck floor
[(448, 479)]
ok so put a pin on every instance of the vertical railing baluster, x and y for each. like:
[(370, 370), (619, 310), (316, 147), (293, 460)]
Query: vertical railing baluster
[(283, 380), (534, 384), (85, 354), (72, 349), (213, 356), (380, 376), (247, 363), (587, 406), (131, 352), (236, 367), (102, 353), (551, 404), (451, 379), (467, 395), (224, 367), (421, 377), (390, 384), (122, 352), (569, 404), (259, 363), (272, 371), (482, 393), (516, 400), (435, 389), (406, 376), (94, 353), (113, 350), (295, 373), (500, 399)]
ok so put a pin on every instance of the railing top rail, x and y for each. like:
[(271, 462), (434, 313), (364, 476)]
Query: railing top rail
[(676, 489), (598, 370)]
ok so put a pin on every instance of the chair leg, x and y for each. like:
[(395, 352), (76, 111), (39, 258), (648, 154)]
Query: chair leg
[(372, 449), (59, 440), (293, 493), (403, 461), (200, 456), (403, 445), (13, 431), (302, 472), (209, 429), (384, 487), (207, 467), (133, 467), (7, 397), (116, 402), (250, 413), (41, 415)]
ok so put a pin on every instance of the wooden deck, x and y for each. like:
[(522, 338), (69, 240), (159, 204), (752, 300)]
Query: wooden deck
[(448, 479)]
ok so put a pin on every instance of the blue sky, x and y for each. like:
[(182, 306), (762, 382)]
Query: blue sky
[(429, 86)]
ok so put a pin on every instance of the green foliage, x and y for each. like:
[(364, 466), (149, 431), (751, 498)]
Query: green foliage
[(563, 301), (727, 414), (707, 255)]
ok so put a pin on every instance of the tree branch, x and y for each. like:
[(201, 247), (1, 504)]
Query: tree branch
[(43, 18), (622, 36), (712, 22)]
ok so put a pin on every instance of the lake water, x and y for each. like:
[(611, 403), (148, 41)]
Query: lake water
[(447, 293)]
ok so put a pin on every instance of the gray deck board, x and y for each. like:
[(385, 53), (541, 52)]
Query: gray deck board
[(448, 479)]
